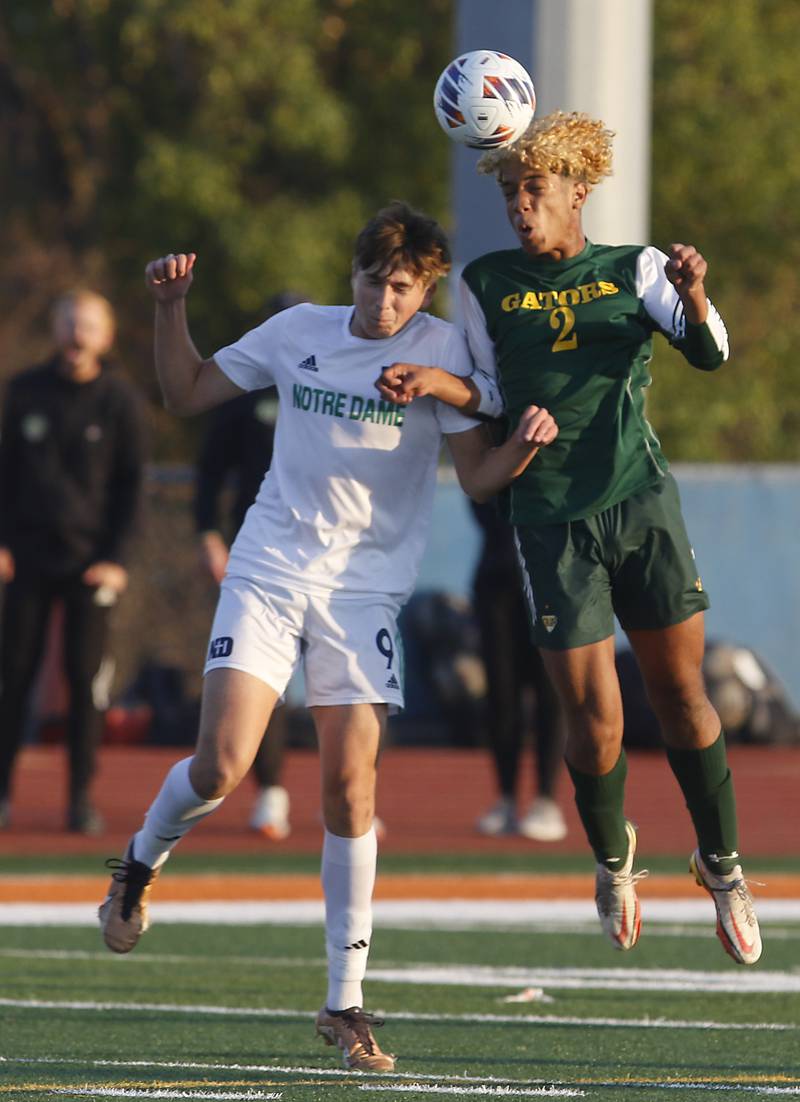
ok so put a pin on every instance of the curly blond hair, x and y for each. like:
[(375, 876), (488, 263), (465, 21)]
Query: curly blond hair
[(567, 143)]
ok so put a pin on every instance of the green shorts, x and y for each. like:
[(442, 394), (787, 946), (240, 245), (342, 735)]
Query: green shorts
[(633, 560)]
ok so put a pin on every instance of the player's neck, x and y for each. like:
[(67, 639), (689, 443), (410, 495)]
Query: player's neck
[(565, 249)]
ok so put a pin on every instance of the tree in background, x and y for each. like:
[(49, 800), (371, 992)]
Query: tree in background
[(259, 133), (726, 173), (263, 132)]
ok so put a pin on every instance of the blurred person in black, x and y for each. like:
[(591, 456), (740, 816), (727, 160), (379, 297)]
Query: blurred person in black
[(514, 668), (71, 468), (237, 448)]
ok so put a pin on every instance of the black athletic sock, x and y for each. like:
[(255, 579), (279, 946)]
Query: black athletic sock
[(707, 786), (600, 804)]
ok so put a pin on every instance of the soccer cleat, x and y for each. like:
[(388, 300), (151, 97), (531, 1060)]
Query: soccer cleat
[(543, 822), (616, 899), (500, 819), (351, 1030), (123, 913), (737, 925), (270, 815)]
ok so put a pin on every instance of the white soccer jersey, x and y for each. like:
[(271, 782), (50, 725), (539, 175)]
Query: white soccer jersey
[(346, 503)]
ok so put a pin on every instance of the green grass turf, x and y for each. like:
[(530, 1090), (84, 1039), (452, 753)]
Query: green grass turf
[(282, 968), (286, 861)]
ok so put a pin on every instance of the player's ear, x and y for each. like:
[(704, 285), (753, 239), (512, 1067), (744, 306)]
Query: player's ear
[(427, 298), (580, 193)]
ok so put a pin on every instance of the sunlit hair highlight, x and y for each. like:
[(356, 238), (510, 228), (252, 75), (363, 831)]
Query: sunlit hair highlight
[(566, 143), (400, 237)]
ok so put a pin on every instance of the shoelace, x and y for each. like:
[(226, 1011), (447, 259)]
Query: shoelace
[(135, 876), (739, 886), (617, 880), (359, 1021)]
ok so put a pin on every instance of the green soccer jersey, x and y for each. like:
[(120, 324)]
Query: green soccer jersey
[(575, 336)]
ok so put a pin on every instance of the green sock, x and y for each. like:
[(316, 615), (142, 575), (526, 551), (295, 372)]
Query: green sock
[(707, 786), (600, 804)]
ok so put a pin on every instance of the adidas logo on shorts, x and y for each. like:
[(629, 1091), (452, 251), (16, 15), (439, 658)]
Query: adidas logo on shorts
[(308, 364), (392, 683)]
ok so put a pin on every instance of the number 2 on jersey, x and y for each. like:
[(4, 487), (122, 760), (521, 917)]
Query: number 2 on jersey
[(563, 319)]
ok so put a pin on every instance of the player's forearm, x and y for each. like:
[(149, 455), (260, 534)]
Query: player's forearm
[(177, 360), (455, 390), (498, 467)]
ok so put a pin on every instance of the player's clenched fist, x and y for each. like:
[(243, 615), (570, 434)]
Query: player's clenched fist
[(170, 277), (536, 426), (686, 268)]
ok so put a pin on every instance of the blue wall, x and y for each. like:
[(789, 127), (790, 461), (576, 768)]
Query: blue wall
[(743, 522)]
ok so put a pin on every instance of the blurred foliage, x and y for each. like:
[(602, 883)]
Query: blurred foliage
[(726, 173), (262, 133)]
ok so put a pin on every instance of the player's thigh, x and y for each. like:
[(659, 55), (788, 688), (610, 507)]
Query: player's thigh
[(257, 629), (235, 709), (566, 583), (353, 652), (349, 737), (254, 649), (657, 583)]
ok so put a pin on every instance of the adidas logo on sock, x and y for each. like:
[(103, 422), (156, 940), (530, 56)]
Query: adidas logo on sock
[(309, 364), (358, 945), (392, 683)]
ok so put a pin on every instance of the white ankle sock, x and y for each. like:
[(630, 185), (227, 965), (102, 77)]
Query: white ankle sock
[(175, 810), (348, 877)]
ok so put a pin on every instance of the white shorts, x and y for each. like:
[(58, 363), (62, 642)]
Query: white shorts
[(349, 648)]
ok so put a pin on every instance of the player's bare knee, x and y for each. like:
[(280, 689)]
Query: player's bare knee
[(214, 778), (349, 809)]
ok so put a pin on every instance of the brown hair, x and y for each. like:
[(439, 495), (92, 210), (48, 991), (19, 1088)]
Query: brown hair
[(400, 237), (567, 143)]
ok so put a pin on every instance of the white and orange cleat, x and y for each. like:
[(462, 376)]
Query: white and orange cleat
[(270, 816), (351, 1030), (737, 925), (616, 898)]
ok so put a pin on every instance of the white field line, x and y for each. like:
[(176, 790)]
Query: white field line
[(409, 1080), (480, 1092), (474, 975), (598, 979), (159, 1093), (453, 914), (619, 1084), (402, 1015)]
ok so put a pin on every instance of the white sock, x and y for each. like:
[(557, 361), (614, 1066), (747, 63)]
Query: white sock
[(348, 877), (175, 810)]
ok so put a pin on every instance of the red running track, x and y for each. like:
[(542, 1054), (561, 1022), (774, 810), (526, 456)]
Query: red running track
[(429, 800)]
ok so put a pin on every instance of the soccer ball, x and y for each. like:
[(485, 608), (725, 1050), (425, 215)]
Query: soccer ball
[(484, 99)]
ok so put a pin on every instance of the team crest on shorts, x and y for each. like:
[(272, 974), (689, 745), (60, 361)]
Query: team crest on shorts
[(220, 647), (549, 621), (698, 584)]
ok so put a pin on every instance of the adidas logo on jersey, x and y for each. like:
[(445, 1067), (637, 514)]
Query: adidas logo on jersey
[(392, 683), (308, 364)]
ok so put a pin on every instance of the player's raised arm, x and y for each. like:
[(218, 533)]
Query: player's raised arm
[(483, 470), (189, 384)]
